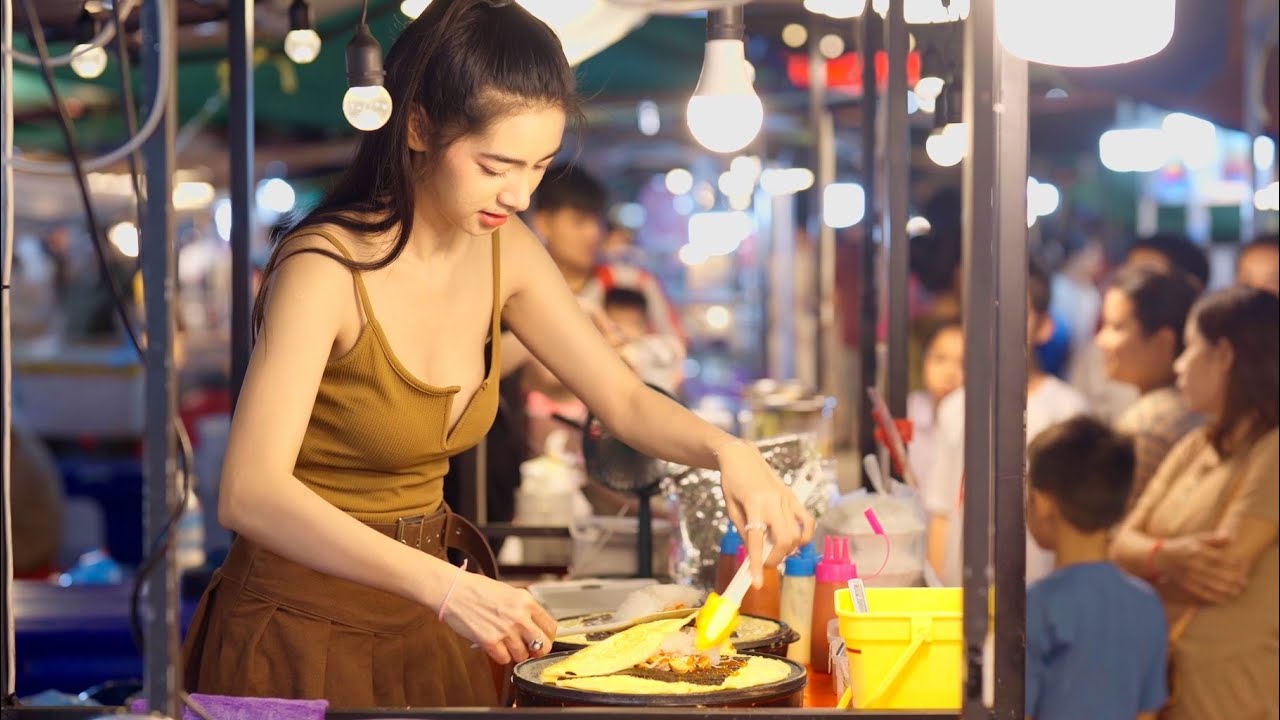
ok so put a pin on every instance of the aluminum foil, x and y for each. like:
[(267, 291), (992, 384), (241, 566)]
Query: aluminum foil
[(702, 519)]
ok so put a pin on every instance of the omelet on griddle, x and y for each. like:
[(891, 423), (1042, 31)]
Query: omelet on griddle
[(659, 658)]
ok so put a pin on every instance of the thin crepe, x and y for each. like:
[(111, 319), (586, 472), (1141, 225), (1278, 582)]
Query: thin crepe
[(756, 672), (617, 653)]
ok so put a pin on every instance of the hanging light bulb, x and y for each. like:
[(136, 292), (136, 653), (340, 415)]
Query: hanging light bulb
[(367, 104), (725, 114), (948, 145), (1084, 33), (302, 43), (87, 61), (413, 8)]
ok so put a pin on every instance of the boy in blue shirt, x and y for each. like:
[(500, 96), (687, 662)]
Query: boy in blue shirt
[(1096, 636)]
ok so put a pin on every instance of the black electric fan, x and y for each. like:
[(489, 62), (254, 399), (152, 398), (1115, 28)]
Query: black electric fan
[(618, 466)]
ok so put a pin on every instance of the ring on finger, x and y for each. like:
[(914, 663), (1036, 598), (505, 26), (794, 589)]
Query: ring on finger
[(755, 526), (536, 645)]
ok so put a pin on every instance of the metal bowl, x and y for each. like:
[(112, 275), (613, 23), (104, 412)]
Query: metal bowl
[(774, 642), (532, 692)]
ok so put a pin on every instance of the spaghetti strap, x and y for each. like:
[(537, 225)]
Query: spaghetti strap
[(496, 321), (355, 274)]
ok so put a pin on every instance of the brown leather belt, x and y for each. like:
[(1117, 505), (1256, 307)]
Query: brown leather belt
[(434, 534)]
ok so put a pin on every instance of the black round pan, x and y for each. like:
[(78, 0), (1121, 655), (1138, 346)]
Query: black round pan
[(532, 692)]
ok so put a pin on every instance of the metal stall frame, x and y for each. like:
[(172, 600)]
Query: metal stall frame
[(995, 311), (240, 30), (995, 273), (895, 167), (161, 660)]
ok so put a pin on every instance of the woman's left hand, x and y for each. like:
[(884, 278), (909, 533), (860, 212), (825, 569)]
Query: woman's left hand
[(758, 501)]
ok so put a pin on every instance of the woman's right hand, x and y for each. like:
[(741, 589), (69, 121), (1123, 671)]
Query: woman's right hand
[(1200, 565), (501, 620)]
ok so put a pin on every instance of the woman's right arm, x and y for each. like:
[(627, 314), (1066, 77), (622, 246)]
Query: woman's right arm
[(262, 500), (1194, 567), (1133, 548)]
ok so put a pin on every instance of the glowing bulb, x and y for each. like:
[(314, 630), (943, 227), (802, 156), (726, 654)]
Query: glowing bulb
[(929, 87), (648, 118), (948, 146), (678, 181), (795, 35), (276, 195), (1133, 149), (90, 63), (414, 8), (1084, 33), (1264, 153), (1042, 198), (1268, 198), (786, 181), (839, 9), (725, 114), (367, 107), (124, 236), (918, 225), (843, 205), (718, 317), (831, 46), (302, 46)]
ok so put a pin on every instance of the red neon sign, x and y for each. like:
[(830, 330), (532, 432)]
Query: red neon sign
[(844, 73)]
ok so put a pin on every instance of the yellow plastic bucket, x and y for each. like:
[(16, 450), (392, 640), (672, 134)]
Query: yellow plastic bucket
[(907, 652)]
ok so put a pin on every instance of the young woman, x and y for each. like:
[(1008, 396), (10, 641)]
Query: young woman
[(1144, 314), (377, 360), (1204, 531)]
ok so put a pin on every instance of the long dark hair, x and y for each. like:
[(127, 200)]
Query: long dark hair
[(1249, 319), (463, 64)]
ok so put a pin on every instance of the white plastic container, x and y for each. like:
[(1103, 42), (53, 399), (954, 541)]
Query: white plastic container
[(550, 495), (903, 521)]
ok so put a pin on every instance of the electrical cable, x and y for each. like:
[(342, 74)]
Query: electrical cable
[(126, 101), (8, 661), (164, 86), (165, 537), (99, 41)]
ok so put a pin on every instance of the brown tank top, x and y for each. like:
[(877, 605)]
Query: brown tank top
[(377, 445)]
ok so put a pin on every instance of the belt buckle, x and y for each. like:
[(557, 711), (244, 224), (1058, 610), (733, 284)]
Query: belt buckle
[(409, 521)]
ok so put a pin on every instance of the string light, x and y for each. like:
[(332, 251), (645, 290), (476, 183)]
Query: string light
[(302, 43), (725, 114), (367, 104)]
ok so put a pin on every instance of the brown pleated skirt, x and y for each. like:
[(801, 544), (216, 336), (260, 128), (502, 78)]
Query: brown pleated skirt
[(269, 627)]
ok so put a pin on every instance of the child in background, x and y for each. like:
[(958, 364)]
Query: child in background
[(943, 373), (656, 358), (1049, 401), (1096, 636)]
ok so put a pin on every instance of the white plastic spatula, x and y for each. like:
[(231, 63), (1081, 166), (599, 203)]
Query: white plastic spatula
[(718, 617)]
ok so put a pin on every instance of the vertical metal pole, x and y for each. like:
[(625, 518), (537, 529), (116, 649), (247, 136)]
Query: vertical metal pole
[(7, 669), (159, 267), (979, 238), (897, 178), (869, 314), (1259, 18), (240, 47), (782, 305), (824, 237), (1009, 385)]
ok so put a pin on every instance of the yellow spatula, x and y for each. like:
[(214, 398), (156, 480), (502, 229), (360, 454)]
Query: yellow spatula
[(718, 617)]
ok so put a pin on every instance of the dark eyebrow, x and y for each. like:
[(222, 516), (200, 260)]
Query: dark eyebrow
[(515, 161)]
